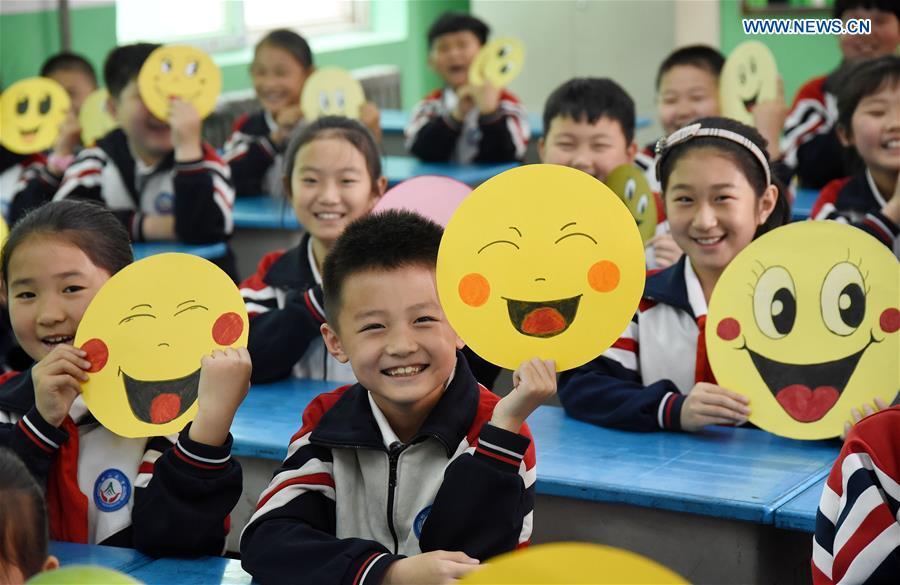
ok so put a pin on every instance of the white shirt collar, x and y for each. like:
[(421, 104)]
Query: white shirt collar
[(270, 121), (694, 290), (874, 189), (312, 262)]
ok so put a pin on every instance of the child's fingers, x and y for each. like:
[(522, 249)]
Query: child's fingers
[(725, 401), (64, 366), (881, 404), (733, 395), (720, 412), (458, 570), (857, 416)]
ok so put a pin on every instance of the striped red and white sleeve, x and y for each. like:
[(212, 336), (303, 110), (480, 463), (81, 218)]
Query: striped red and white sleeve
[(857, 538)]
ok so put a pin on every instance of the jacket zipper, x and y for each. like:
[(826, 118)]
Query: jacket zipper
[(393, 455)]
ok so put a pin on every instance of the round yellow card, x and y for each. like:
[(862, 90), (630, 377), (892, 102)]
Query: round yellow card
[(145, 332), (179, 71), (499, 61), (540, 261), (94, 117), (571, 563), (804, 323), (628, 182), (30, 114), (748, 77), (331, 91)]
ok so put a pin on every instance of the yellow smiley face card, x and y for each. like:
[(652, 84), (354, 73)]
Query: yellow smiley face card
[(31, 112), (540, 261), (572, 563), (183, 72), (145, 332), (94, 117), (331, 91), (628, 182), (804, 323), (499, 61), (748, 77)]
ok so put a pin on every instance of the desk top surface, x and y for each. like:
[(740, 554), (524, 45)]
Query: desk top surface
[(800, 512), (209, 251), (743, 474)]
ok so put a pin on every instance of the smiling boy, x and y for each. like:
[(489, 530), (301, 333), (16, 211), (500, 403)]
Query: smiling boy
[(461, 122), (416, 473)]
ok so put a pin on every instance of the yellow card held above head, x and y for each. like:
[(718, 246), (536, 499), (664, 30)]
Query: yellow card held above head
[(500, 61), (94, 117), (572, 563), (181, 71), (748, 77), (804, 323), (628, 182), (31, 112), (145, 332), (540, 261), (331, 91)]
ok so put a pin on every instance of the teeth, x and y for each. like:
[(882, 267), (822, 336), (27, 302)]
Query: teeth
[(57, 339), (705, 241), (328, 215), (895, 143), (404, 371)]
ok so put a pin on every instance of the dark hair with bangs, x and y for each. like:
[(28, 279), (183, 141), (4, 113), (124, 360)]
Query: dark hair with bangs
[(591, 98), (23, 519), (699, 56), (380, 241), (451, 22)]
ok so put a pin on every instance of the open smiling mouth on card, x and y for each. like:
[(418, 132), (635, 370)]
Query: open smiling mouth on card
[(542, 318), (160, 401), (751, 103), (28, 135), (807, 391)]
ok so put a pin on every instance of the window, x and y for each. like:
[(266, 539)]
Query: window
[(221, 25)]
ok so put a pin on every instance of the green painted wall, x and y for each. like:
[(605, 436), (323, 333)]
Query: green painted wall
[(27, 39), (799, 57)]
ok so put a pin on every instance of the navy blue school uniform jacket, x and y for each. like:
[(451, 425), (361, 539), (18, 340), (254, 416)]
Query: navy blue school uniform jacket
[(161, 495), (350, 498)]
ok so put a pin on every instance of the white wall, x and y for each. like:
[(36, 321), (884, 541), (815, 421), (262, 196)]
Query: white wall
[(621, 39)]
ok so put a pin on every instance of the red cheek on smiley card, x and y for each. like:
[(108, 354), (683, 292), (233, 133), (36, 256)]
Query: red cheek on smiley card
[(604, 276), (474, 289), (889, 320), (97, 354), (728, 329), (227, 328)]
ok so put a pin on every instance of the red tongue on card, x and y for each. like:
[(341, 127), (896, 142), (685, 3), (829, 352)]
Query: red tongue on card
[(807, 405), (543, 321), (164, 408)]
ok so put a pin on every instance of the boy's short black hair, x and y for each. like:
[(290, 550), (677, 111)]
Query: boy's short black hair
[(23, 519), (593, 98), (289, 41), (889, 6), (451, 22), (380, 241), (123, 64), (863, 79), (68, 61), (699, 56)]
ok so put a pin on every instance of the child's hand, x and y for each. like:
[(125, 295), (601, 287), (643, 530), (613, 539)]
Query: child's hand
[(665, 250), (57, 381), (708, 404), (185, 123), (769, 117), (487, 98), (861, 413), (287, 119), (465, 104), (224, 382), (431, 568), (370, 116), (533, 383)]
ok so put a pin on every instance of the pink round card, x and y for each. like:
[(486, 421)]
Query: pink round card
[(432, 196)]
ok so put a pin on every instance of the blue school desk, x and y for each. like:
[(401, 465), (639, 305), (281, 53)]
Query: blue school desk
[(803, 202), (800, 512), (112, 557), (264, 212), (201, 571), (187, 571), (401, 168), (208, 251)]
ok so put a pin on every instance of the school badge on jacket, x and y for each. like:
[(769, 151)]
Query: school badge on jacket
[(112, 490)]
